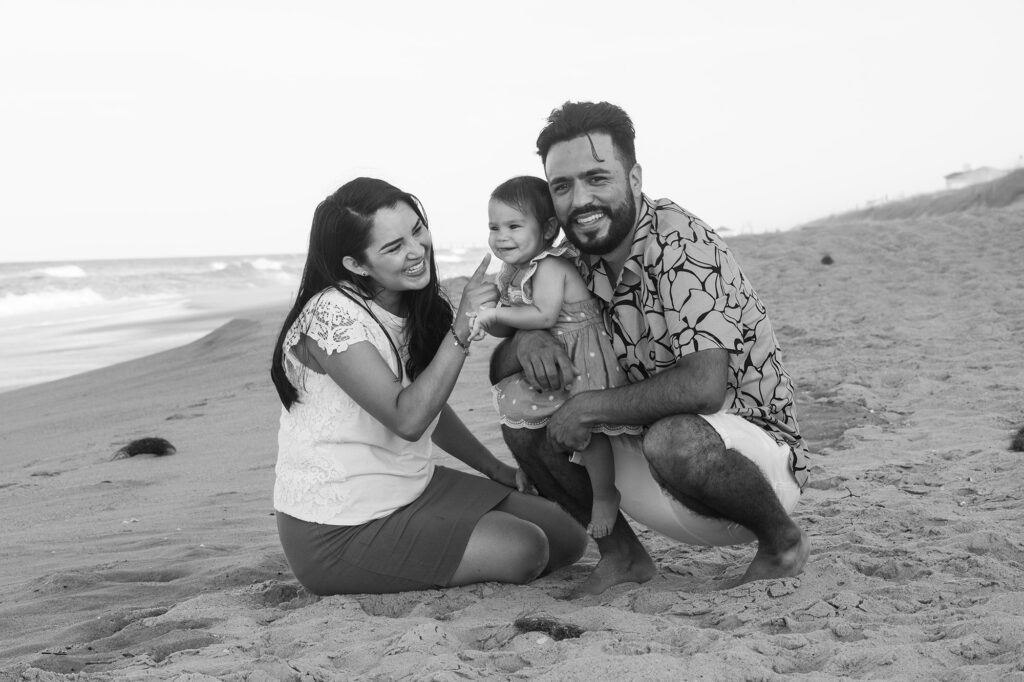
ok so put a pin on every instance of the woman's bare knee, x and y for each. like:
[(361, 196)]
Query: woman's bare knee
[(533, 555), (566, 539), (503, 548)]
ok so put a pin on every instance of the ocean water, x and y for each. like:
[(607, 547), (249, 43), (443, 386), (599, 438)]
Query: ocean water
[(59, 319)]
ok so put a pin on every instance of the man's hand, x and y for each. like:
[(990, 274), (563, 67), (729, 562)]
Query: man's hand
[(545, 363), (567, 429)]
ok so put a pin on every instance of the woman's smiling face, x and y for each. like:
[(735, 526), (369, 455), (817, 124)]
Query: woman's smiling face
[(398, 256)]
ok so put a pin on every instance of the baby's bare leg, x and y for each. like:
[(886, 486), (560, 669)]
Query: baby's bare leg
[(600, 465)]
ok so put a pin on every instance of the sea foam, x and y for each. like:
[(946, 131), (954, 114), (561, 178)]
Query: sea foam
[(39, 301), (61, 272), (265, 264)]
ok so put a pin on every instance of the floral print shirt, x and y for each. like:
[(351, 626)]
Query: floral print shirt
[(681, 291)]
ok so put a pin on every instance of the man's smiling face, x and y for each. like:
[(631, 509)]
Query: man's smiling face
[(593, 193)]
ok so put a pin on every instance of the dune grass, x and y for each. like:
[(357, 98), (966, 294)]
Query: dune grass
[(998, 193)]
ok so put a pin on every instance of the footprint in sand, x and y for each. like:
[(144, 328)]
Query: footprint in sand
[(175, 417), (155, 641)]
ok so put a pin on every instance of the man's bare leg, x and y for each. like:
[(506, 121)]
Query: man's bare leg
[(623, 558), (688, 458)]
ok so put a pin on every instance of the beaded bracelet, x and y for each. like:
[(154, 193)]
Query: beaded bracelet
[(460, 344)]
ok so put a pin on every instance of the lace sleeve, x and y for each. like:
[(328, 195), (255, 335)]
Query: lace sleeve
[(332, 320)]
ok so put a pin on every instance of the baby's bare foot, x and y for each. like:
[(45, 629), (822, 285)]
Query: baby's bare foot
[(603, 513)]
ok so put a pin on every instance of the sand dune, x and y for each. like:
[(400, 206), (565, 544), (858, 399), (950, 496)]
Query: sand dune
[(907, 351), (999, 193)]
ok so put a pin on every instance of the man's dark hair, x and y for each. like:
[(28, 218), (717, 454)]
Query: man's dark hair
[(576, 119)]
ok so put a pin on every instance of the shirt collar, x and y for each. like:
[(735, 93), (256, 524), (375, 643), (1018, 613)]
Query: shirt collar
[(632, 268)]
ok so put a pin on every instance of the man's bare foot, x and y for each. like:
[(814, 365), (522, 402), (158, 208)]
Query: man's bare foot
[(784, 564), (613, 569), (603, 513)]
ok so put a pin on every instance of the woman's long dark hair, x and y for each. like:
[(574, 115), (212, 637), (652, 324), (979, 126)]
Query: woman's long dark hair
[(342, 225)]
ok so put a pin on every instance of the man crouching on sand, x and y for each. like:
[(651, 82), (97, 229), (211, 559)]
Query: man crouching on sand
[(722, 446)]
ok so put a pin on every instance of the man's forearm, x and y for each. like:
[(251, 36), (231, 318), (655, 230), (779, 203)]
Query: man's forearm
[(696, 385)]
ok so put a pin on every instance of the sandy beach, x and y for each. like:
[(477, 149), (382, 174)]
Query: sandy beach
[(907, 347)]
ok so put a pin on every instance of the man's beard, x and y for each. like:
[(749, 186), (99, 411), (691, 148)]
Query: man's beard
[(622, 217)]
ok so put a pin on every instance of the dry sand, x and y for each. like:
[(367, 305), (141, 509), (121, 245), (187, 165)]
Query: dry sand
[(908, 353)]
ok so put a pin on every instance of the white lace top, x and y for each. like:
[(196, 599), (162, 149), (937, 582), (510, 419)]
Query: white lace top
[(336, 464)]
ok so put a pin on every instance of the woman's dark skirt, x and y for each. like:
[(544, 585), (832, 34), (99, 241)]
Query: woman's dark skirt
[(417, 547)]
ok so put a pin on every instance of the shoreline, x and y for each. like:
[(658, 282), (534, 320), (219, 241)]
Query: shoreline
[(91, 340), (85, 319), (148, 332)]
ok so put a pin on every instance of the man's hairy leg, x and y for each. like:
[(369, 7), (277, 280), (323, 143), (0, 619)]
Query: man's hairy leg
[(688, 458), (623, 557), (554, 476)]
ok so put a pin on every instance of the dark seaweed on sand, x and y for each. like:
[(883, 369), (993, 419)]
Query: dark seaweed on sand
[(1017, 444), (158, 447), (557, 630)]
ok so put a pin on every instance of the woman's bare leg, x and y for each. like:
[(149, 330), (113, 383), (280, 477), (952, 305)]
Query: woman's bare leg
[(566, 539), (522, 538), (503, 548)]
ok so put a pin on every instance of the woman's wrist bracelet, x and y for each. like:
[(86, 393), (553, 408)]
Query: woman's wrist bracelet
[(464, 345)]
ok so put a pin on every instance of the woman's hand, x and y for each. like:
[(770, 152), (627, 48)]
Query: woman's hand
[(476, 294), (523, 483), (513, 477)]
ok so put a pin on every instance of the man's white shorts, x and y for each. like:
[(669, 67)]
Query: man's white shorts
[(648, 504)]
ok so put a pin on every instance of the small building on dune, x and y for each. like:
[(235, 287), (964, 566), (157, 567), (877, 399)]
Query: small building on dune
[(973, 176)]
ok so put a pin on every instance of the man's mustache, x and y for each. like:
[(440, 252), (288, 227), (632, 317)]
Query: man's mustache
[(588, 209)]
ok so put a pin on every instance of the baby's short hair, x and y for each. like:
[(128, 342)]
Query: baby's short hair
[(527, 194)]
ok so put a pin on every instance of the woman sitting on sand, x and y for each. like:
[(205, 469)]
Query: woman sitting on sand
[(364, 365)]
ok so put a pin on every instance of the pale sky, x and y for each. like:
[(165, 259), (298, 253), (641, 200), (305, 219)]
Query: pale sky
[(146, 129)]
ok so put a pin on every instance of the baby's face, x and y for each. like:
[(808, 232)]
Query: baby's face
[(515, 237)]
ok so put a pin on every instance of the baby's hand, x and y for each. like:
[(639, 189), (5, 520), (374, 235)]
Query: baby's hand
[(481, 321), (476, 331)]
